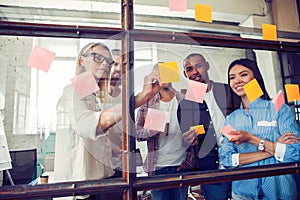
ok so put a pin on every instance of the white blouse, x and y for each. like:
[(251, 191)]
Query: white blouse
[(80, 154)]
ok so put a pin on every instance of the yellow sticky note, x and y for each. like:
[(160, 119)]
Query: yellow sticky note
[(168, 72), (199, 129), (269, 32), (292, 92), (253, 90), (203, 13)]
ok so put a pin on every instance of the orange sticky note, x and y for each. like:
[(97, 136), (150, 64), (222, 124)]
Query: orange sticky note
[(177, 5), (168, 72), (84, 84), (253, 90), (226, 130), (41, 58), (199, 129), (278, 101), (269, 32), (196, 91), (203, 13), (156, 119), (292, 92)]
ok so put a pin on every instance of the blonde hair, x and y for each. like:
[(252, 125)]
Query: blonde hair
[(103, 83)]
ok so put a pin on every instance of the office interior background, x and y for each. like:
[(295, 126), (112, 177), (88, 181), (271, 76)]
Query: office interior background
[(156, 34)]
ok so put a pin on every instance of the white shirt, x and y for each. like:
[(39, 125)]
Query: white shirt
[(79, 153), (217, 117), (171, 151)]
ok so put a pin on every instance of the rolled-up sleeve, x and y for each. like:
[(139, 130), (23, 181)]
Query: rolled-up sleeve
[(86, 120), (228, 151), (287, 123), (87, 123), (141, 132)]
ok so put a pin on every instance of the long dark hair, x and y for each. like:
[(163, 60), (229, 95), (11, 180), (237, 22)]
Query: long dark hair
[(252, 65)]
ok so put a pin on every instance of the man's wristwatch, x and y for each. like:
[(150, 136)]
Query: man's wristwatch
[(261, 145)]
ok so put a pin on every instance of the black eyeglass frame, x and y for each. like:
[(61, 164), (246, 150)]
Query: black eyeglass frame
[(100, 58)]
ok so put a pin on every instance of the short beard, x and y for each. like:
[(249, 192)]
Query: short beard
[(115, 81)]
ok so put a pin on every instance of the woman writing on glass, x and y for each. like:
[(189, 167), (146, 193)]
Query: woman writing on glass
[(262, 137), (83, 150)]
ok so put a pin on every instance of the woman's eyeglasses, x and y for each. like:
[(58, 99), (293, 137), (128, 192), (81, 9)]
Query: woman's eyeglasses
[(98, 58)]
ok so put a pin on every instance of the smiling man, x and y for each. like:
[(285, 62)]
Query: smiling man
[(211, 114)]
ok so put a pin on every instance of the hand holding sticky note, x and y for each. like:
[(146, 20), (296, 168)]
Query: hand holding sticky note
[(292, 92), (253, 90), (156, 120), (226, 130), (168, 72), (196, 91), (84, 84), (278, 101), (199, 129)]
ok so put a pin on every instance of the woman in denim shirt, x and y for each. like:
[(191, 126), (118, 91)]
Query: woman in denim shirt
[(263, 136)]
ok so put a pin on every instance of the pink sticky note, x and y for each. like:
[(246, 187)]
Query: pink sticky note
[(226, 130), (177, 5), (85, 84), (196, 91), (278, 101), (156, 120), (41, 58)]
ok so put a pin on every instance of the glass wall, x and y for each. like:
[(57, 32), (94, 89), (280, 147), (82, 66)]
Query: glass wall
[(40, 44)]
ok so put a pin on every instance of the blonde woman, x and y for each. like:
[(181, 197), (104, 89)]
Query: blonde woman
[(83, 150)]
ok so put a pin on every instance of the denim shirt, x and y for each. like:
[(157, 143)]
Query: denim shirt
[(262, 120)]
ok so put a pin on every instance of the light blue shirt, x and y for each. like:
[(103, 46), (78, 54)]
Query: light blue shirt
[(262, 120)]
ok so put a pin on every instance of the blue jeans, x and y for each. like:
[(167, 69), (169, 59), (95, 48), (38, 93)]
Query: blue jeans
[(172, 193), (217, 191)]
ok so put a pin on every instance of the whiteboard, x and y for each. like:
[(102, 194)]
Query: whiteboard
[(5, 160)]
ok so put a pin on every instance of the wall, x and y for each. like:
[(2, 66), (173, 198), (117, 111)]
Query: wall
[(285, 15), (15, 52)]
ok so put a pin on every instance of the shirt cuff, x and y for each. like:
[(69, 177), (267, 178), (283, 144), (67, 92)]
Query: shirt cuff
[(235, 159), (280, 151)]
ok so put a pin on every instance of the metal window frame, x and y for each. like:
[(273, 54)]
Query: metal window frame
[(128, 35)]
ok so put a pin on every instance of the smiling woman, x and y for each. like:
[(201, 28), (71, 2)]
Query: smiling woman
[(259, 137)]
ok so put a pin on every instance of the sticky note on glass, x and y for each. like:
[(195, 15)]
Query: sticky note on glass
[(84, 84), (196, 91), (226, 130), (168, 72), (292, 92), (253, 90), (41, 58), (203, 13), (199, 129), (278, 101), (156, 119), (177, 5), (269, 32)]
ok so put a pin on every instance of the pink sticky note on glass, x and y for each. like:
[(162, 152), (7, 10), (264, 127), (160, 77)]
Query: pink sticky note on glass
[(177, 5), (156, 120), (278, 101), (84, 84), (41, 58), (226, 130), (196, 91)]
